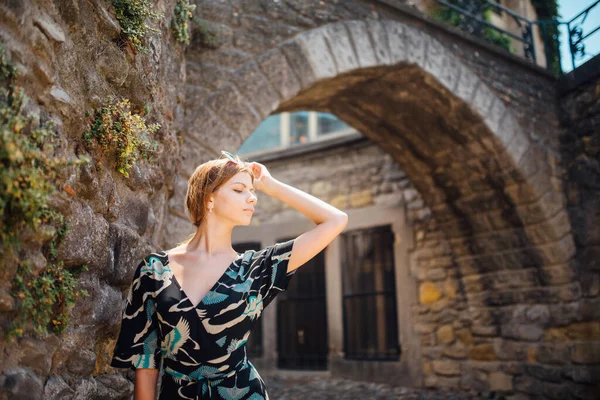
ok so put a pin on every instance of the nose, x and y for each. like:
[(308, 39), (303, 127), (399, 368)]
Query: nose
[(253, 199)]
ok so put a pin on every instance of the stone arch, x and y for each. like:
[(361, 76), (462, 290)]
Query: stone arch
[(303, 72), (492, 189)]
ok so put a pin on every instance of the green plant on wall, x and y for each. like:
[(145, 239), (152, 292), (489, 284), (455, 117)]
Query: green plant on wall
[(181, 16), (45, 299), (115, 128), (28, 179), (454, 18), (547, 10), (132, 16)]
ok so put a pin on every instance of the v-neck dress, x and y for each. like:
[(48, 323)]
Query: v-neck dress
[(203, 347)]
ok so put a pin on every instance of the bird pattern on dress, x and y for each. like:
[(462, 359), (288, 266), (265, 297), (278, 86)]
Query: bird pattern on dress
[(201, 347)]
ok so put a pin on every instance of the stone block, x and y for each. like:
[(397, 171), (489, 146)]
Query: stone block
[(429, 293), (442, 65), (436, 274), (582, 373), (494, 119), (313, 53), (482, 352), (416, 45), (439, 305), (483, 99), (467, 84), (455, 352), (341, 47), (396, 41), (21, 383), (584, 331), (359, 35), (276, 68), (552, 353), (518, 146), (421, 327), (464, 336), (545, 373), (446, 368), (558, 252), (500, 381), (50, 28), (557, 274), (82, 245), (361, 199), (380, 41), (586, 353), (485, 331), (445, 334), (511, 350), (473, 379), (529, 332)]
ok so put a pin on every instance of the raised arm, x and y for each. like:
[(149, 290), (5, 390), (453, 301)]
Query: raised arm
[(330, 221), (146, 380)]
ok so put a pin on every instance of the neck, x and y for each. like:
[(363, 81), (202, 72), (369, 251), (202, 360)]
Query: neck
[(212, 237)]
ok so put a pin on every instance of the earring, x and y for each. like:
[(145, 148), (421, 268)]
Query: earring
[(210, 210)]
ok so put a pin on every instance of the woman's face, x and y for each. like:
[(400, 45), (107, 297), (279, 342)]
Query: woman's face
[(236, 199)]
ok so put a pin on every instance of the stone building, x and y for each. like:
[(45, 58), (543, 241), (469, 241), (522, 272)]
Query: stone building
[(471, 183)]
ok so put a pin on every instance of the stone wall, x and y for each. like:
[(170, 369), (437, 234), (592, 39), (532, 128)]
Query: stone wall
[(579, 110), (71, 57)]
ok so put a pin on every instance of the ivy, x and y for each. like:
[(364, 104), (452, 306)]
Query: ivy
[(116, 129), (132, 16), (28, 179), (182, 14), (45, 300), (454, 18), (547, 10)]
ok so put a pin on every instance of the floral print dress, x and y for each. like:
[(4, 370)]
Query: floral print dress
[(202, 347)]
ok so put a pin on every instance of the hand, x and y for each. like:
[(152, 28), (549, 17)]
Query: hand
[(261, 176)]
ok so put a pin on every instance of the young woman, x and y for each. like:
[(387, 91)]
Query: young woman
[(193, 306)]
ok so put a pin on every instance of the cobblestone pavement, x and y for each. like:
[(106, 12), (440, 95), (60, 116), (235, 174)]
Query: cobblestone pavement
[(321, 387)]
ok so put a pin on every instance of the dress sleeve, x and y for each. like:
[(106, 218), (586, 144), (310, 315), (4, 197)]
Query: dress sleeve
[(272, 262), (138, 344)]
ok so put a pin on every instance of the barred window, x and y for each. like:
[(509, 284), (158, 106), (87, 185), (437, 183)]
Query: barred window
[(369, 294)]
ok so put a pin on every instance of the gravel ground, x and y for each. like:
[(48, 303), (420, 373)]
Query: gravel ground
[(319, 387)]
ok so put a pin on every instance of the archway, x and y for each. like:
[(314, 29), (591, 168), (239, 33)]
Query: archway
[(490, 188)]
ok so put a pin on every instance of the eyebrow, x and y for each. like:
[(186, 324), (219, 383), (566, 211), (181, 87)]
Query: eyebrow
[(240, 184)]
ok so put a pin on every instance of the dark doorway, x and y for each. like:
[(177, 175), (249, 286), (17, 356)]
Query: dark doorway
[(302, 319)]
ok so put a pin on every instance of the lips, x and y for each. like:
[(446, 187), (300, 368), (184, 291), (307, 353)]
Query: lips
[(249, 209)]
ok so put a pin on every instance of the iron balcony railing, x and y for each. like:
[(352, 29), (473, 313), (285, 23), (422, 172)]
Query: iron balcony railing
[(576, 36), (472, 21)]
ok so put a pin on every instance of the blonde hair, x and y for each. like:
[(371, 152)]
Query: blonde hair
[(207, 179)]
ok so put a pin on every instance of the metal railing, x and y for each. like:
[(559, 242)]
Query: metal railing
[(472, 21), (576, 36)]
